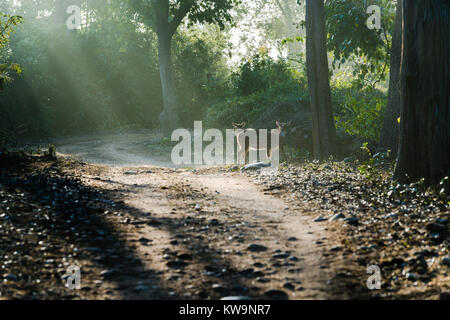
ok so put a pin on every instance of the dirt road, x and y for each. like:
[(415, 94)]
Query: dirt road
[(199, 233), (138, 227)]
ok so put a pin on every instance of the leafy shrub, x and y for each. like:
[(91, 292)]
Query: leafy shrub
[(358, 112), (261, 91), (201, 73)]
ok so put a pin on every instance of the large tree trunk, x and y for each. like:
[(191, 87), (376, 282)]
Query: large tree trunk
[(424, 150), (169, 119), (391, 128), (324, 131)]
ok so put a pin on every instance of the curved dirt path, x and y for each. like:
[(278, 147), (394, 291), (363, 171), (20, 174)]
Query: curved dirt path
[(192, 230)]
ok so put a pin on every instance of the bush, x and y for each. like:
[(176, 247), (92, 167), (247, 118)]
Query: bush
[(201, 73), (358, 113), (261, 91)]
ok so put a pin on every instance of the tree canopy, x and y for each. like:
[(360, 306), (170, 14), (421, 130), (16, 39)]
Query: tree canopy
[(196, 11)]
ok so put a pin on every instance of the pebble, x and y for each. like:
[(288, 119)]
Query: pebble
[(296, 270), (319, 219), (184, 256), (219, 288), (446, 261), (276, 295), (289, 286), (213, 222), (435, 227), (250, 273), (176, 264), (280, 255), (352, 221), (255, 166), (337, 217), (10, 276), (108, 273), (335, 248), (256, 248), (144, 241), (412, 276)]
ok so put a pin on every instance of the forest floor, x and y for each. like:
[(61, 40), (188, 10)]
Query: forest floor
[(140, 229)]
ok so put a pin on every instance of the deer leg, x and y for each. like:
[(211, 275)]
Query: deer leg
[(247, 154)]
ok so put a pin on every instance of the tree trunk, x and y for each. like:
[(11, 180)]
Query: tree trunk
[(391, 128), (169, 119), (424, 150), (324, 131)]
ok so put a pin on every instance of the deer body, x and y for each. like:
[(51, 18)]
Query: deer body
[(259, 141)]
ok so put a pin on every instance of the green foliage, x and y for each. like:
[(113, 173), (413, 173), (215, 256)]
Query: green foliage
[(351, 41), (371, 169), (292, 154), (209, 11), (7, 26), (200, 70), (197, 11), (261, 73), (258, 85), (358, 112), (105, 76)]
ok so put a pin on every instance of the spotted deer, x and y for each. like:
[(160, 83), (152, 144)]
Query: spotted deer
[(251, 140)]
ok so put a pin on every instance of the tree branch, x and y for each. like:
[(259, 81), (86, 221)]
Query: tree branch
[(182, 12)]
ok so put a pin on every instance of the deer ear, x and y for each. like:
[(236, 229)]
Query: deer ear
[(234, 124), (277, 123), (243, 124)]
